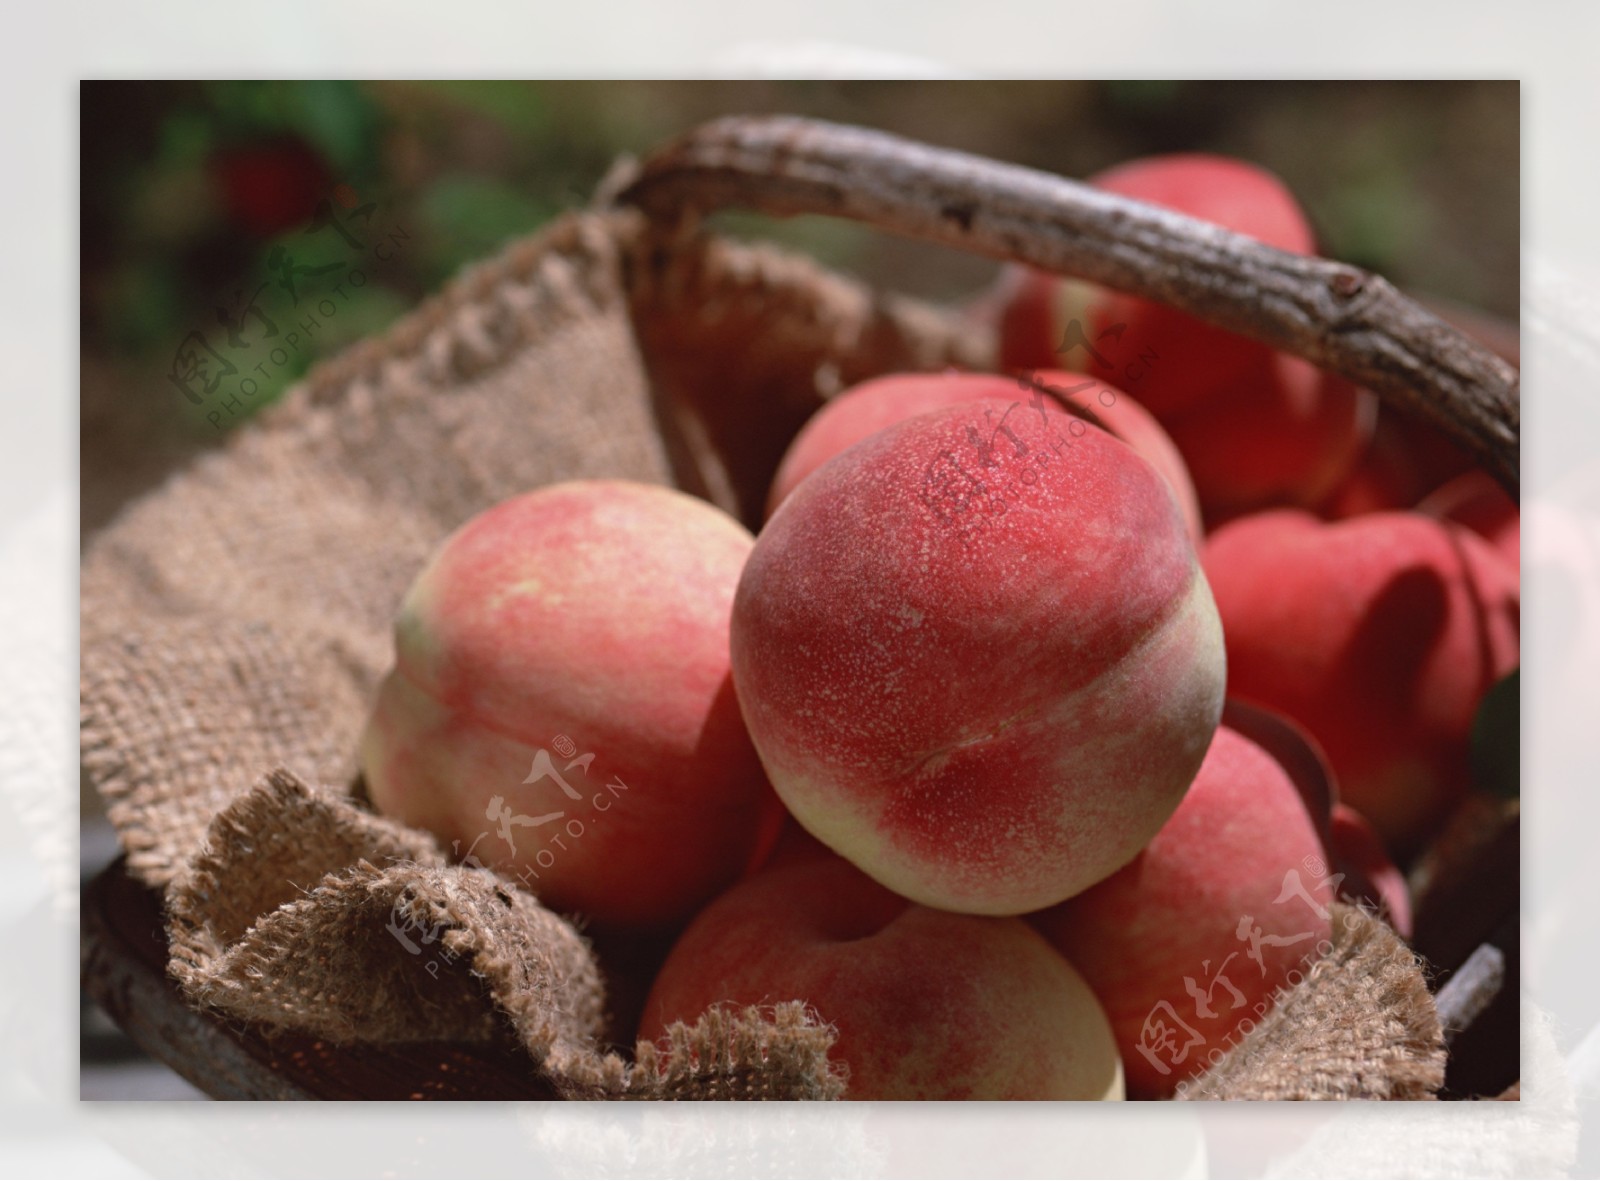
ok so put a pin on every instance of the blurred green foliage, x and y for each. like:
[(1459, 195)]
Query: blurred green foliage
[(469, 217), (188, 187)]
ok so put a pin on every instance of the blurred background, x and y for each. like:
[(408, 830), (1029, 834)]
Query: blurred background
[(198, 198), (217, 216)]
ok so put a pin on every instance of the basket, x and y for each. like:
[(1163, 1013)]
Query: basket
[(269, 936)]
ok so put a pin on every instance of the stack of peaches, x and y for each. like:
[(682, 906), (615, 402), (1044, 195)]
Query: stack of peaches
[(1031, 740)]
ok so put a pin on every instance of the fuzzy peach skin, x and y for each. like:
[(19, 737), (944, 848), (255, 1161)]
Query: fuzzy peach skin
[(987, 684), (1379, 635), (1186, 945), (866, 409), (927, 1004), (595, 613)]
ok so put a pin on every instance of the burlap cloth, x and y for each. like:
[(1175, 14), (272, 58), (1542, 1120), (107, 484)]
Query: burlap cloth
[(236, 622)]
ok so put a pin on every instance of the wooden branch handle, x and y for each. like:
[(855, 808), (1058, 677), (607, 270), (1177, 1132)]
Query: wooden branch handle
[(1336, 316)]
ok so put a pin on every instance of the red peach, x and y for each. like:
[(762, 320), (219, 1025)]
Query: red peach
[(561, 705), (1290, 745), (1379, 635), (868, 408), (978, 657), (1288, 433), (1031, 311), (1369, 875), (1403, 462), (1383, 479), (1186, 945), (927, 1004), (1350, 841), (1476, 500), (1256, 427), (865, 409), (1194, 359)]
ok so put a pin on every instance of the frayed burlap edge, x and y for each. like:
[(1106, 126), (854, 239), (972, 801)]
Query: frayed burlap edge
[(1361, 1025), (761, 1052), (284, 920)]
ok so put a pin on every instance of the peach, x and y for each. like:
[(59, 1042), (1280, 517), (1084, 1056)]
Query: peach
[(561, 706), (1186, 945), (1289, 745), (1194, 359), (1365, 873), (1288, 433), (1476, 500), (978, 657), (866, 409), (1257, 428), (1369, 874), (927, 1004), (1379, 635), (1030, 310), (1384, 478), (1402, 463)]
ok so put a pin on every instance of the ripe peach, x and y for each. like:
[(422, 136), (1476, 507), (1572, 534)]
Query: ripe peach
[(1369, 874), (1288, 433), (927, 1004), (1366, 874), (1187, 943), (1193, 359), (1476, 500), (1383, 479), (1257, 428), (1379, 635), (1404, 461), (1290, 745), (1196, 359), (978, 657), (561, 705), (1030, 310), (866, 409)]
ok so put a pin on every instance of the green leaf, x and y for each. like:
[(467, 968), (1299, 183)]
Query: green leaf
[(1497, 738)]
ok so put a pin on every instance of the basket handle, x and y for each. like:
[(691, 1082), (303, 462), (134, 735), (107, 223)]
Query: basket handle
[(1337, 316)]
